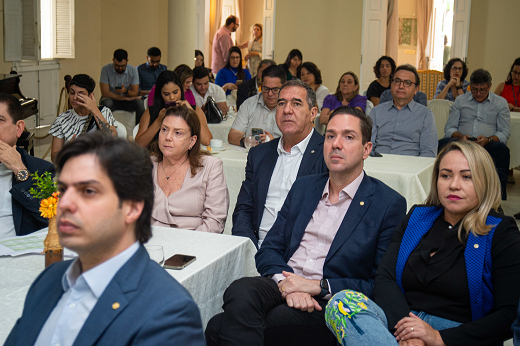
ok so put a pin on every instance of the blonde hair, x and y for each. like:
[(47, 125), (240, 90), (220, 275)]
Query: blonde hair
[(253, 32), (485, 180)]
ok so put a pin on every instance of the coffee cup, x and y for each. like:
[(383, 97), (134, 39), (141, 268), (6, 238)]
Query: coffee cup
[(216, 143)]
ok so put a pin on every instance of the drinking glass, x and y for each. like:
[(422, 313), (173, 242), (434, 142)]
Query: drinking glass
[(249, 142), (156, 253)]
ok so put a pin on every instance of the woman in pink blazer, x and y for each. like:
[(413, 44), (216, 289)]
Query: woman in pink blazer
[(190, 187)]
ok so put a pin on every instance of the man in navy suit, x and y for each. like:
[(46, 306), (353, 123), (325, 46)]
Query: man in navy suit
[(112, 294), (273, 167), (329, 236), (16, 166)]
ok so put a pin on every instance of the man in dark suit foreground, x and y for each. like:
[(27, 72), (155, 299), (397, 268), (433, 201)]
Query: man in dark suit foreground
[(273, 167), (112, 294), (329, 236), (16, 167)]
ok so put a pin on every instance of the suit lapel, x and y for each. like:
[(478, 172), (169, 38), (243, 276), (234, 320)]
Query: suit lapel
[(16, 208), (114, 300), (354, 215), (264, 176), (312, 151)]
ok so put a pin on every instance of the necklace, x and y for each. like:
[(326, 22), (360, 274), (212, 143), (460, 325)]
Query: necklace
[(514, 95), (168, 176)]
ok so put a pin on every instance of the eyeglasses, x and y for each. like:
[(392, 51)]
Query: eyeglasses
[(407, 83), (515, 73), (479, 91), (266, 90), (453, 68)]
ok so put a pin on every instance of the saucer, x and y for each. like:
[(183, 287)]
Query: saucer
[(215, 150)]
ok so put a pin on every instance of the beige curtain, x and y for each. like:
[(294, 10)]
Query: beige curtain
[(424, 15), (392, 29), (215, 17), (239, 34)]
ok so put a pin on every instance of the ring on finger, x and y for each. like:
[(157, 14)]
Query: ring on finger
[(411, 329)]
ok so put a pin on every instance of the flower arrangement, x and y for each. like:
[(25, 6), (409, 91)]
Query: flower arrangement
[(47, 191)]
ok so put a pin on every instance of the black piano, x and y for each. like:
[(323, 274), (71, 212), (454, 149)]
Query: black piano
[(10, 84)]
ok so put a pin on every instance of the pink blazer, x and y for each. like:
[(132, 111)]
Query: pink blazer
[(201, 204)]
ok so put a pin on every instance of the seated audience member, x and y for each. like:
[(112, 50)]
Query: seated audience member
[(119, 84), (404, 127), (196, 197), (510, 89), (112, 293), (292, 64), (347, 94), (329, 236), (185, 73), (20, 213), (149, 71), (384, 70), (273, 167), (229, 75), (202, 88), (251, 87), (199, 61), (451, 275), (484, 118), (171, 95), (310, 73), (259, 111), (454, 83), (419, 97), (85, 116)]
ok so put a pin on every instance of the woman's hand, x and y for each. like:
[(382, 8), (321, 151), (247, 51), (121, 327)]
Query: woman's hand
[(414, 328), (229, 86), (247, 56), (183, 103), (161, 115)]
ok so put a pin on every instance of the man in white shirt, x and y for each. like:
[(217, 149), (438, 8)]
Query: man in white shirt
[(19, 214), (259, 111), (202, 88), (112, 293), (273, 167)]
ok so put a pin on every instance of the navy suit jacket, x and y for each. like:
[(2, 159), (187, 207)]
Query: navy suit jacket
[(259, 169), (359, 244), (26, 214), (154, 308)]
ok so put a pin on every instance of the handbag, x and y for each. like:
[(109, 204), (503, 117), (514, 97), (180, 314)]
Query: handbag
[(212, 112)]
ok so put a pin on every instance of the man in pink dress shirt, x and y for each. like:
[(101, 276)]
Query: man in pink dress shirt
[(329, 236), (222, 42)]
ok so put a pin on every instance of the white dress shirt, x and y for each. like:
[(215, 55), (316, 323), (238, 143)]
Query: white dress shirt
[(6, 203), (82, 291), (284, 175), (215, 91), (254, 113)]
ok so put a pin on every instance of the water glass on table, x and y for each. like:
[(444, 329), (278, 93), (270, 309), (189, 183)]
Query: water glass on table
[(156, 253), (249, 142)]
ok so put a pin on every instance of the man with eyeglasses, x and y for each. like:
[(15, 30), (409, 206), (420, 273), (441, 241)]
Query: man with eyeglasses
[(484, 118), (273, 167), (403, 126), (258, 112)]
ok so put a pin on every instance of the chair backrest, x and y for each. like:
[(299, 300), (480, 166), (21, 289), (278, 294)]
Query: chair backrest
[(369, 107), (364, 93), (441, 112), (136, 129), (429, 80), (121, 129)]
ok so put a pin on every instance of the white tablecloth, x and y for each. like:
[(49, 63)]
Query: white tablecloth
[(221, 259), (514, 140), (221, 130), (408, 175)]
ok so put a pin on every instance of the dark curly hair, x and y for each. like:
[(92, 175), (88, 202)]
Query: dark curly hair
[(377, 66), (448, 66)]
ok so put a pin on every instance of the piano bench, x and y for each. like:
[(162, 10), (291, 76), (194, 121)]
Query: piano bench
[(26, 141)]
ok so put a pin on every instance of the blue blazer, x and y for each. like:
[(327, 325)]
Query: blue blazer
[(259, 169), (26, 214), (154, 308), (359, 244)]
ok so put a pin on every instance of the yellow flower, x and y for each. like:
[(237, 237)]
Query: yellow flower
[(48, 207), (362, 305), (56, 194)]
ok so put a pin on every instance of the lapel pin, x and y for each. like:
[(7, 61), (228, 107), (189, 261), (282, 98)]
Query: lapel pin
[(475, 246), (312, 151), (115, 306), (361, 203)]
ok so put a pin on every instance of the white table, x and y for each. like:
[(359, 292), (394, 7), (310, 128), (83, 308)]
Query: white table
[(514, 140), (408, 175), (221, 130), (221, 259)]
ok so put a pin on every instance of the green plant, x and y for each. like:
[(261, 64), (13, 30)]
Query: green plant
[(45, 186)]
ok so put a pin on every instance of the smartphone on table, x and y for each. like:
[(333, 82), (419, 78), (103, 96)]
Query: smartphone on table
[(179, 261)]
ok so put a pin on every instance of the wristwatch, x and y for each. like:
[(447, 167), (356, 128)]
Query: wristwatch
[(324, 284), (490, 139), (459, 87), (22, 175)]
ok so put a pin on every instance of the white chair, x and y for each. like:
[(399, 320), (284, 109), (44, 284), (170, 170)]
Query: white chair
[(441, 112), (136, 129), (364, 93), (145, 102), (125, 118), (121, 130), (369, 107)]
